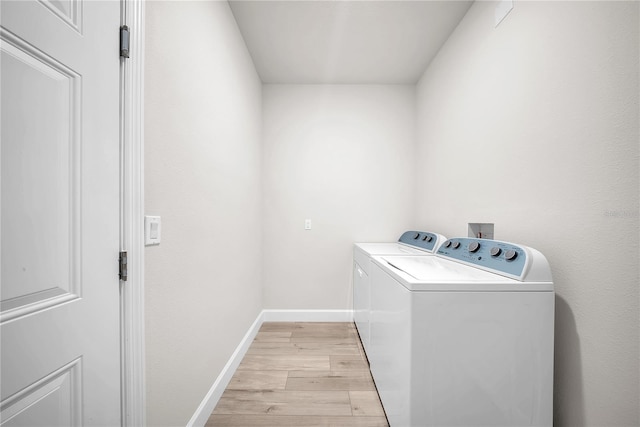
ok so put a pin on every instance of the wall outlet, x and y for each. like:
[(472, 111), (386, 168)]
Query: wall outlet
[(307, 224)]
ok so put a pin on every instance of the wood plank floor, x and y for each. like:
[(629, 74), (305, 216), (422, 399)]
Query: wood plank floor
[(305, 375)]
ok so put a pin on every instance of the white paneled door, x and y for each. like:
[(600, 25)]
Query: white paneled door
[(60, 331)]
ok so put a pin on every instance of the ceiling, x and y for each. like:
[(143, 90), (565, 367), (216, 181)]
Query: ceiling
[(345, 42)]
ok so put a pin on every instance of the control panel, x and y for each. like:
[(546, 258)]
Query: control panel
[(420, 239), (501, 257)]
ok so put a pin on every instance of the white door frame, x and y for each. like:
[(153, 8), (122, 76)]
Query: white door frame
[(132, 217)]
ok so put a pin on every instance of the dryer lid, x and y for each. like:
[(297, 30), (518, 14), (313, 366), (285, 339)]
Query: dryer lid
[(390, 249)]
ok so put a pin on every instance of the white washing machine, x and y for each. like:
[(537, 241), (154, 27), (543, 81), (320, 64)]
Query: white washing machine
[(464, 338), (417, 243)]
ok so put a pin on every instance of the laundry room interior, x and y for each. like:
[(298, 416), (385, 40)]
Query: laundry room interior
[(279, 133)]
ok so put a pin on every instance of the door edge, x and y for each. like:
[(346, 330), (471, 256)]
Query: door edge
[(132, 341)]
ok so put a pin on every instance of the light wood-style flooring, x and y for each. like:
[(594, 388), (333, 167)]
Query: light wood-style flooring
[(305, 375)]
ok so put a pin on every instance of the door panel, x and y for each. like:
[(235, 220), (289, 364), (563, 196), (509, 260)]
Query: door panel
[(69, 11), (59, 289), (56, 398), (40, 198)]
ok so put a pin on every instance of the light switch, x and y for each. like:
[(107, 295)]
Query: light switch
[(307, 224), (152, 230)]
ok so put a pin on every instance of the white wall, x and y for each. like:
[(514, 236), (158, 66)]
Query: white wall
[(536, 120), (341, 156), (534, 126), (202, 160)]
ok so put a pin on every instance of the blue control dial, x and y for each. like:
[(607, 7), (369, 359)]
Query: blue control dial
[(488, 254), (420, 239)]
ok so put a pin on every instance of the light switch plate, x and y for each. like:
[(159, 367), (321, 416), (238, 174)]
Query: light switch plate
[(152, 230)]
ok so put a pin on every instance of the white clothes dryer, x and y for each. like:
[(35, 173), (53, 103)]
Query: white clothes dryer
[(464, 338), (416, 243)]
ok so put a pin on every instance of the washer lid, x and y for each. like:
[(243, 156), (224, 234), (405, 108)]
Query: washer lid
[(438, 274)]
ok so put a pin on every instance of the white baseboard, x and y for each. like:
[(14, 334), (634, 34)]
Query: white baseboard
[(307, 315), (208, 404)]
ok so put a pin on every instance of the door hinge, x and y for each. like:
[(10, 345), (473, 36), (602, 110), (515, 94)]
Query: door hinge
[(124, 41), (122, 261)]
